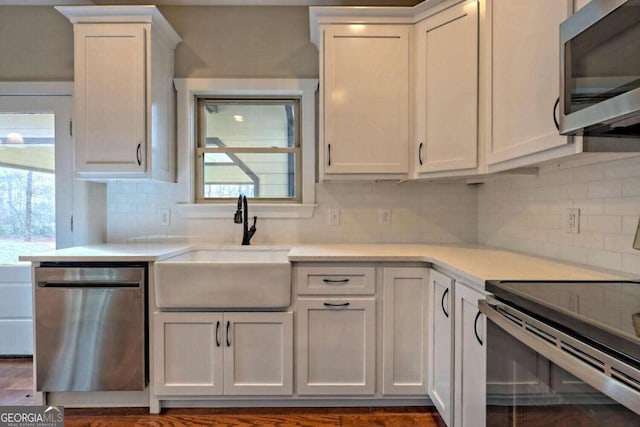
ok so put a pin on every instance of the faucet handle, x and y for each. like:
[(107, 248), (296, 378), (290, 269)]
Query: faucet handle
[(237, 218)]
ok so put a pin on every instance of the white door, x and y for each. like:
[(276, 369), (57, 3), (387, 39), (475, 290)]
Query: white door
[(36, 199), (335, 341), (523, 64), (470, 359), (258, 353), (187, 354), (404, 331), (441, 345), (446, 102), (110, 101), (366, 99)]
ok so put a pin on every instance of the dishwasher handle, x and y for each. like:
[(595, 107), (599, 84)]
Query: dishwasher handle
[(78, 285), (89, 277)]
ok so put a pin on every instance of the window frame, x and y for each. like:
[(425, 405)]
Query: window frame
[(187, 91), (201, 147)]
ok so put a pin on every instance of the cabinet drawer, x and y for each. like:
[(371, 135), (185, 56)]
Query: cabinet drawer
[(355, 280)]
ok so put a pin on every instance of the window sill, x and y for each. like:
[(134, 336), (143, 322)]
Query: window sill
[(261, 210)]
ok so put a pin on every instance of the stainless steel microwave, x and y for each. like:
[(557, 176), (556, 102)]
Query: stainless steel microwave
[(600, 70)]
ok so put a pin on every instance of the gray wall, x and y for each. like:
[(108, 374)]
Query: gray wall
[(243, 42), (36, 42)]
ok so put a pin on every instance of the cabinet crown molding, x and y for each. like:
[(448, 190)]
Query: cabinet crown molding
[(321, 15), (121, 14)]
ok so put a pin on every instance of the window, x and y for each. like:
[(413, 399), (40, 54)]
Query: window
[(248, 146), (240, 165)]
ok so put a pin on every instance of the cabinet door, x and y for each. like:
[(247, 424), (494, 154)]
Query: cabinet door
[(523, 63), (187, 354), (365, 121), (446, 103), (110, 97), (335, 341), (441, 345), (470, 358), (258, 353), (404, 334)]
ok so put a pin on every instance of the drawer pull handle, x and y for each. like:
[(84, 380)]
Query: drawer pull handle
[(444, 295), (228, 338), (344, 304), (420, 153), (335, 282)]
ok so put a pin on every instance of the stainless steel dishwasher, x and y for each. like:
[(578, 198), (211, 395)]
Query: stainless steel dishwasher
[(90, 326)]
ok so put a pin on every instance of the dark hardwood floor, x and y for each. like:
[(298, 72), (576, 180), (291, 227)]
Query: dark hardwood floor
[(16, 388)]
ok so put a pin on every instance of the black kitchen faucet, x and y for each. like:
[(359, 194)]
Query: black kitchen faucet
[(242, 217)]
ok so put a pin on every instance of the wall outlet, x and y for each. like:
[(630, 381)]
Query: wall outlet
[(384, 216), (334, 216), (572, 224), (164, 217)]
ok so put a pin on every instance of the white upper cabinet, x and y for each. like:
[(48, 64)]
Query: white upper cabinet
[(446, 92), (519, 69), (123, 93), (364, 100)]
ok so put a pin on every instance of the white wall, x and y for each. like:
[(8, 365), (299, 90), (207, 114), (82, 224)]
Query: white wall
[(421, 212), (527, 213)]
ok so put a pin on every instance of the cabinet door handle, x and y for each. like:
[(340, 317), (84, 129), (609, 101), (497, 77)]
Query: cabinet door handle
[(444, 295), (344, 304), (228, 338), (138, 154), (420, 153), (555, 114), (218, 333), (329, 154), (475, 327), (336, 282)]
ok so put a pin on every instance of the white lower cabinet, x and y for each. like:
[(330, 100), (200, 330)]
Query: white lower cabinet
[(457, 354), (441, 344), (335, 341), (404, 331), (470, 359), (235, 353)]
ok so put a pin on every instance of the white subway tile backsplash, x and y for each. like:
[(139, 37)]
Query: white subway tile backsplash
[(604, 189), (524, 213), (421, 212), (607, 194), (604, 223)]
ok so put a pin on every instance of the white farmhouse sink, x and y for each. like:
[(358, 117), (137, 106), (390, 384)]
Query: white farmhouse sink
[(245, 278)]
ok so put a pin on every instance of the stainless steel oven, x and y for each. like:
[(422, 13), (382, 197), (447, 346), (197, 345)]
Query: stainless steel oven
[(563, 354), (600, 70)]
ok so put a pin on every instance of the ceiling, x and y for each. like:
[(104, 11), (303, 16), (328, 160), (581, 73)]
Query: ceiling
[(213, 2)]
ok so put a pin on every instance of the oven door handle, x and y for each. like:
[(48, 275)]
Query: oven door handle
[(520, 325)]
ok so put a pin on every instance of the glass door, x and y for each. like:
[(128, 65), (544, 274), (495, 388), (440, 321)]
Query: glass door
[(35, 175), (36, 202)]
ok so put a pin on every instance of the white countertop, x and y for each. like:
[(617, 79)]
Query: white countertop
[(471, 262), (111, 252)]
